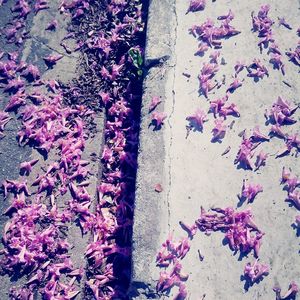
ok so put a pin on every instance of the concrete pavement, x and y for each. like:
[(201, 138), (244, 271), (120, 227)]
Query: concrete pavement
[(192, 170)]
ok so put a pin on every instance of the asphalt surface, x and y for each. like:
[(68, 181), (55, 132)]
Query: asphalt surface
[(42, 43)]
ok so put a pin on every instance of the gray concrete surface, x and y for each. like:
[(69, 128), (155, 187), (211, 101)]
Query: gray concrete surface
[(43, 43), (194, 173)]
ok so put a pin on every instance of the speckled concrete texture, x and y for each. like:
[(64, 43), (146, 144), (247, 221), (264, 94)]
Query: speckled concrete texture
[(194, 172)]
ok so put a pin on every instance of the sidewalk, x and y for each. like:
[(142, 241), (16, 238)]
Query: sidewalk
[(191, 168)]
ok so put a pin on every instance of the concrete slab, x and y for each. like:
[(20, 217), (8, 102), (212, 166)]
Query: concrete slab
[(194, 172)]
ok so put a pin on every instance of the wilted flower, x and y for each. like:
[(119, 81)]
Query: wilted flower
[(256, 271), (196, 5), (158, 119), (197, 119), (249, 191)]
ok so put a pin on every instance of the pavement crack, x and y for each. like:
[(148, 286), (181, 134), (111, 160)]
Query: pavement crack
[(51, 48), (171, 114)]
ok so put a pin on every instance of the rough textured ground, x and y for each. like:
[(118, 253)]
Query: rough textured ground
[(40, 44), (193, 172)]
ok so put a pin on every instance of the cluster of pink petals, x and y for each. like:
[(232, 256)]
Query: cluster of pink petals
[(256, 271), (282, 111), (246, 150), (50, 126), (211, 35), (176, 277), (246, 153), (276, 60), (263, 25), (32, 239), (281, 114), (171, 251), (219, 107), (294, 56), (292, 184), (17, 32), (196, 5), (197, 119), (170, 254), (257, 69), (292, 291), (240, 230), (208, 71), (249, 191), (76, 8)]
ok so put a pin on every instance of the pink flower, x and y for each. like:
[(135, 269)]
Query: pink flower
[(239, 67), (158, 119), (261, 159), (219, 130), (202, 47), (216, 105), (105, 97), (276, 129), (230, 109), (154, 102), (52, 59), (258, 136), (182, 293), (263, 24), (229, 17), (105, 73), (245, 154), (257, 69), (240, 230), (4, 119), (276, 60), (282, 111), (31, 71), (297, 221), (294, 197), (256, 271), (292, 292), (234, 85), (52, 25), (196, 5), (283, 22), (249, 191), (273, 48), (191, 230), (294, 56), (285, 175), (211, 34), (14, 85), (40, 5), (16, 101), (197, 119), (26, 167)]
